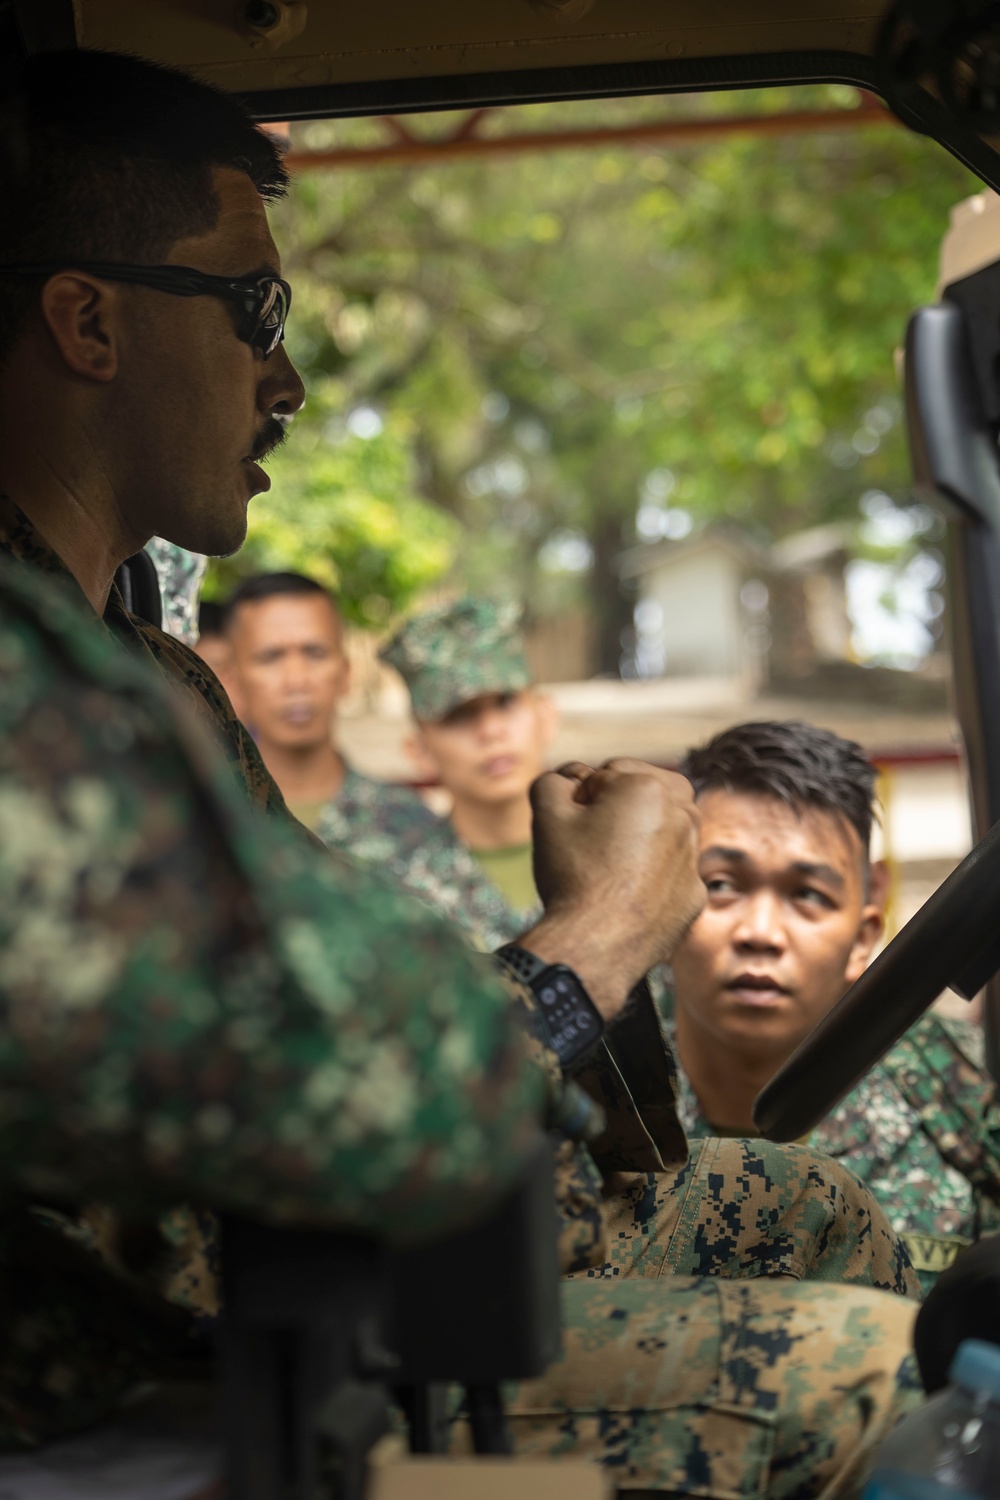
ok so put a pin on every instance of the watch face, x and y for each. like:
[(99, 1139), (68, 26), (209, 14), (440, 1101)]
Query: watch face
[(571, 1018)]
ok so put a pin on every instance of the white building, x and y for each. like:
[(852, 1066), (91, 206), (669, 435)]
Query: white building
[(701, 609)]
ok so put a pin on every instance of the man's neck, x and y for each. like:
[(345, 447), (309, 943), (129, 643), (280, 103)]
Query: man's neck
[(493, 825), (86, 535), (311, 773), (725, 1079)]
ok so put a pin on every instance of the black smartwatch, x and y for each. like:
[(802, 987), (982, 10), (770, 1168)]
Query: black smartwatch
[(572, 1020)]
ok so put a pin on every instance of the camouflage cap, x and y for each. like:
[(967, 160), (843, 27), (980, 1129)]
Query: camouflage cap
[(455, 652)]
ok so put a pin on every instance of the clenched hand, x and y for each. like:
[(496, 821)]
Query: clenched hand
[(616, 867)]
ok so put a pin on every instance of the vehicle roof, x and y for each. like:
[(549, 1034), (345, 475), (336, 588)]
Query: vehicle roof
[(387, 40), (390, 56)]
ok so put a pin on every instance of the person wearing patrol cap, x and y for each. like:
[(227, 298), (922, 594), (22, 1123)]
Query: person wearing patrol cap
[(482, 730)]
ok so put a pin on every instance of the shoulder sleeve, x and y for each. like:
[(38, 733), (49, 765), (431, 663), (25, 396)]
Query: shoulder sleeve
[(196, 1007), (953, 1096), (578, 1183), (374, 820)]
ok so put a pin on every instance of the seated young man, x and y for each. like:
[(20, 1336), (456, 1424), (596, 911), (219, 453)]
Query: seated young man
[(482, 730), (291, 673), (794, 911)]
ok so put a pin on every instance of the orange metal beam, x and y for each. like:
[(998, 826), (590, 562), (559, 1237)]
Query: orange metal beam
[(461, 146)]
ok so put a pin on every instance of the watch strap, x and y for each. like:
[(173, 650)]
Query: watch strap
[(527, 966), (572, 1022)]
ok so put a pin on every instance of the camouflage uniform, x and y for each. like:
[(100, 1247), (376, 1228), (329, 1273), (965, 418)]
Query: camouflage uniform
[(196, 1007), (746, 1211), (389, 827), (216, 1018), (922, 1131), (180, 574), (198, 684), (425, 855), (373, 814)]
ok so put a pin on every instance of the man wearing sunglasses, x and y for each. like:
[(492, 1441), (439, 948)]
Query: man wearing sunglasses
[(142, 380), (141, 318)]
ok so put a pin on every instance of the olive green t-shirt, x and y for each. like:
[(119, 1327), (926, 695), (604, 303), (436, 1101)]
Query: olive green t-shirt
[(510, 871), (308, 813)]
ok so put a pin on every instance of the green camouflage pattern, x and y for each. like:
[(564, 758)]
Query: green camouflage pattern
[(727, 1390), (230, 1069), (425, 855), (922, 1131), (456, 651), (180, 573), (202, 690), (369, 819), (198, 1008)]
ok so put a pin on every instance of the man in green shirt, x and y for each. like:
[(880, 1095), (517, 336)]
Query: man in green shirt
[(482, 730)]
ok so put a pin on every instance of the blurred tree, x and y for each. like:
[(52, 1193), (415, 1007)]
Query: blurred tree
[(344, 512), (585, 348)]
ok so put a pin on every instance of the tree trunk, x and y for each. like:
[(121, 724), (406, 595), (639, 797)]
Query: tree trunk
[(610, 609)]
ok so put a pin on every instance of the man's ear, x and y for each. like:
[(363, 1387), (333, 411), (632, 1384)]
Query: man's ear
[(548, 718), (872, 923), (424, 764), (879, 882), (79, 313), (344, 686)]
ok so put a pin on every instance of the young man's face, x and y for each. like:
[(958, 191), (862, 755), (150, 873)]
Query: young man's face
[(291, 669), (490, 749), (194, 401), (788, 925)]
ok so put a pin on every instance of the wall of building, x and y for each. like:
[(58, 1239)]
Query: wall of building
[(699, 596)]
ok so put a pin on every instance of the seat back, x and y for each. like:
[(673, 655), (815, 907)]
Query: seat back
[(317, 1325), (139, 585)]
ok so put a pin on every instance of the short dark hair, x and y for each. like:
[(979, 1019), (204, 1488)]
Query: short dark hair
[(104, 156), (211, 617), (271, 586), (799, 764)]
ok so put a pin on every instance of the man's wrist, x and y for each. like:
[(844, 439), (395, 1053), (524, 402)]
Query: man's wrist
[(575, 940), (572, 1023)]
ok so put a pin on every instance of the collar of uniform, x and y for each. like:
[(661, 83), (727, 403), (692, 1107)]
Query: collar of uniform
[(20, 539), (688, 1109)]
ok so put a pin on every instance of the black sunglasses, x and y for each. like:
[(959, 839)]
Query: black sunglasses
[(265, 300)]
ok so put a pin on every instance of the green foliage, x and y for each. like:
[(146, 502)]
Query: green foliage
[(558, 341), (342, 509)]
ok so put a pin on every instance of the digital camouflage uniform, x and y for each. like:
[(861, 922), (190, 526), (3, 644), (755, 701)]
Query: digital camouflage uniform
[(922, 1131), (180, 573), (197, 1010)]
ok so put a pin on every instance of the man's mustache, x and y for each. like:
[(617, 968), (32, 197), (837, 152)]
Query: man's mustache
[(271, 436)]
